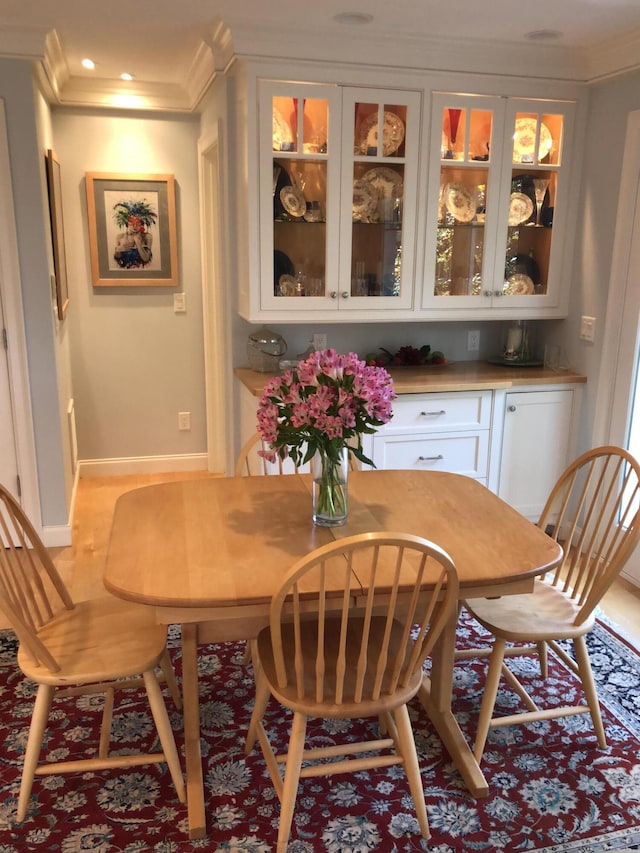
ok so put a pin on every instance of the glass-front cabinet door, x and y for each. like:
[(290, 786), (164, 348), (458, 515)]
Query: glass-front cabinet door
[(379, 198), (493, 236), (534, 199), (299, 187), (338, 173), (464, 199)]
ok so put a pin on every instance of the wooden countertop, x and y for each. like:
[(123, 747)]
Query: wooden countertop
[(459, 376)]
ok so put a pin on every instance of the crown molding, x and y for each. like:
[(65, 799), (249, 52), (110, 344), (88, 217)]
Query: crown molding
[(228, 41), (22, 42), (615, 56)]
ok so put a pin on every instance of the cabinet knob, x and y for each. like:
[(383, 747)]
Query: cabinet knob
[(497, 293), (427, 414), (334, 294), (345, 294), (430, 458), (488, 293), (511, 408)]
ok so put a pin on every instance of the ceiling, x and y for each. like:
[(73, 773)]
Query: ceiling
[(173, 48)]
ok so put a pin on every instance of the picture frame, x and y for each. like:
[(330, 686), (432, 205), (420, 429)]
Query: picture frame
[(54, 184), (132, 229)]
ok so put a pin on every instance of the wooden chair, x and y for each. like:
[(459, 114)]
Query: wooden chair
[(71, 648), (593, 512), (323, 657), (249, 464)]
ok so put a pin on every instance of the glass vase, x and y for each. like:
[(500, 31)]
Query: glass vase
[(329, 473)]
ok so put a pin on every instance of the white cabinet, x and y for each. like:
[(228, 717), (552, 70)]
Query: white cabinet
[(437, 432), (338, 180), (499, 207), (537, 445)]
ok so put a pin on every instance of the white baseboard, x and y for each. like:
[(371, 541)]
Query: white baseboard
[(142, 465), (56, 535)]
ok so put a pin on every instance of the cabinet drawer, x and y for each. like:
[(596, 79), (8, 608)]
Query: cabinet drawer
[(441, 412), (464, 453)]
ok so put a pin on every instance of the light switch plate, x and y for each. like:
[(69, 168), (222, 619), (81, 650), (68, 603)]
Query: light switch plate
[(587, 328)]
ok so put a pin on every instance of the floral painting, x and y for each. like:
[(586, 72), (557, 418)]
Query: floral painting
[(132, 229)]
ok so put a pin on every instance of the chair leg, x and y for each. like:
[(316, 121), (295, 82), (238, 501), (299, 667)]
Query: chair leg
[(170, 678), (39, 718), (161, 718), (259, 707), (291, 778), (543, 657), (105, 728), (411, 766), (589, 687), (489, 696)]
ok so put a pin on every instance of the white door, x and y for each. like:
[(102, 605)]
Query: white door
[(621, 348), (8, 457)]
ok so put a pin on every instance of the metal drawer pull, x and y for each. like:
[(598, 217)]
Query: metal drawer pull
[(430, 414), (430, 458), (511, 408)]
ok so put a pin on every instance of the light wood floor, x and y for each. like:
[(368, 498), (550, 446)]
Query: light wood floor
[(81, 564)]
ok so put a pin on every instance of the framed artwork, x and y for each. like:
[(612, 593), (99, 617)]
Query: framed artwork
[(57, 232), (132, 229)]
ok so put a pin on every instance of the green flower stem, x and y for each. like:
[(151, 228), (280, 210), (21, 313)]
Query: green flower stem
[(331, 488)]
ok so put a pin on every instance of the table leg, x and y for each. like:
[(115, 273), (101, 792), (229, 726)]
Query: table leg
[(191, 703), (435, 694)]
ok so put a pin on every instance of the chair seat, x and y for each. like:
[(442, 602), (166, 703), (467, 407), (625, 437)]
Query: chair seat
[(98, 640), (544, 614)]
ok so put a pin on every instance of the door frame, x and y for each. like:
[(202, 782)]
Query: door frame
[(616, 373), (11, 292), (217, 346)]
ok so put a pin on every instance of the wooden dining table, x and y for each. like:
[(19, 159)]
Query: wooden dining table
[(208, 554)]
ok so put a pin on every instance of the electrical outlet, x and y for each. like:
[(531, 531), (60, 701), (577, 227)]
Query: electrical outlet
[(179, 303), (319, 342), (184, 420), (473, 341), (587, 328)]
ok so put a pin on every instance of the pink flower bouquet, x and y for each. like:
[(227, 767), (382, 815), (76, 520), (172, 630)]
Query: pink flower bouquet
[(322, 405)]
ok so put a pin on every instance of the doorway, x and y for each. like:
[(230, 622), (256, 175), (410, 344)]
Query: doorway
[(8, 454), (618, 404)]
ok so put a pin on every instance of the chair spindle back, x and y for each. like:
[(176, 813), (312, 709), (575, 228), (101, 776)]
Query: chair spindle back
[(594, 512), (362, 652)]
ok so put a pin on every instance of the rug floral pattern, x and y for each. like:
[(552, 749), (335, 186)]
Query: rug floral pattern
[(551, 788)]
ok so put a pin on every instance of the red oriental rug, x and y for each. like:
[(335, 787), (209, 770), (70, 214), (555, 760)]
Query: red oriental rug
[(551, 788)]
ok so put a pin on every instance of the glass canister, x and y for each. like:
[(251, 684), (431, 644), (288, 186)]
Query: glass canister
[(517, 345), (265, 348)]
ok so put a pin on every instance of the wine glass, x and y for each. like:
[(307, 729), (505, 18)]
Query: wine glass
[(540, 186)]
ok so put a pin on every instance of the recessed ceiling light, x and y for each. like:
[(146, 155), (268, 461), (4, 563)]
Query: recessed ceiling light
[(88, 63), (126, 76), (543, 35), (356, 19)]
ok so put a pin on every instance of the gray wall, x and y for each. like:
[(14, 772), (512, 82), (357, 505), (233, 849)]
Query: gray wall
[(135, 363), (28, 137), (610, 103)]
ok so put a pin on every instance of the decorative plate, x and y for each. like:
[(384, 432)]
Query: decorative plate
[(281, 131), (287, 285), (460, 201), (365, 201), (524, 140), (392, 134), (519, 284), (520, 208), (388, 186), (293, 201)]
